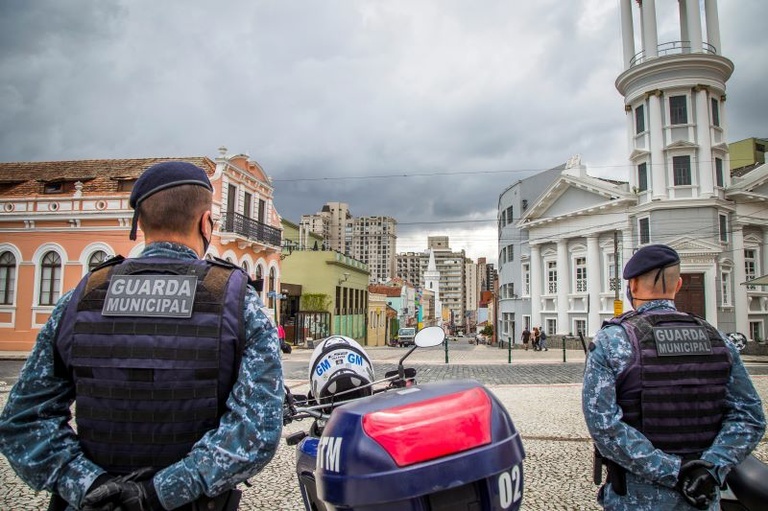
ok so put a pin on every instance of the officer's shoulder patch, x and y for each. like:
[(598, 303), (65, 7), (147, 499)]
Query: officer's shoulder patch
[(592, 346)]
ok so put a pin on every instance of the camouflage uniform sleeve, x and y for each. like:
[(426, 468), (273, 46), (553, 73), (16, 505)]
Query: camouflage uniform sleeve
[(249, 431), (744, 422), (615, 439), (35, 434)]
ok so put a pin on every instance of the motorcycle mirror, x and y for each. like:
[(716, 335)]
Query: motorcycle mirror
[(429, 336)]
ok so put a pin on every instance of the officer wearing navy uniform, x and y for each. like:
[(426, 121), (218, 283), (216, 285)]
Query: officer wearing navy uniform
[(666, 398), (171, 360)]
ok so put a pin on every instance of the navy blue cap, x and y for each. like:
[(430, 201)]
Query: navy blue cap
[(161, 177), (650, 258)]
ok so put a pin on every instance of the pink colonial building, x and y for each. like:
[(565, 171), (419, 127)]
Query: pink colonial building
[(59, 219)]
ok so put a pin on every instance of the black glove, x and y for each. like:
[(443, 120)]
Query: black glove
[(132, 492), (697, 484)]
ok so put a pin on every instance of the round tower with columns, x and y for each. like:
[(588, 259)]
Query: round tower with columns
[(674, 98)]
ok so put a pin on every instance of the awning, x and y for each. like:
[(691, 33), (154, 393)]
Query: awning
[(759, 281)]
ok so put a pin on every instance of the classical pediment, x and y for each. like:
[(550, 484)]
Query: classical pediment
[(690, 246), (574, 196)]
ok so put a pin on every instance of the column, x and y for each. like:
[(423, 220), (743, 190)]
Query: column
[(563, 286), (740, 302), (594, 264), (536, 285), (650, 36), (685, 36), (713, 25), (656, 142), (706, 162), (627, 32), (693, 15)]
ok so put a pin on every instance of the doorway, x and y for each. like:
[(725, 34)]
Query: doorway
[(691, 295)]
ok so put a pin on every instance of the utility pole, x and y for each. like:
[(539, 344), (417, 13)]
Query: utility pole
[(618, 305)]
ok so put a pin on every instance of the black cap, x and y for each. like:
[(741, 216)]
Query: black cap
[(163, 176), (650, 258)]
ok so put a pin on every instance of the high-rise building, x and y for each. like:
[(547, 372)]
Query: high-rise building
[(452, 269), (408, 267), (374, 243), (334, 224)]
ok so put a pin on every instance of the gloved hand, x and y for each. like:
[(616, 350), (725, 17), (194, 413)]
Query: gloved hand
[(132, 492), (697, 484)]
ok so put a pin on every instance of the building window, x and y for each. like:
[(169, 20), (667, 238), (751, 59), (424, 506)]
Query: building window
[(526, 270), (580, 274), (7, 277), (724, 228), (725, 288), (756, 330), (551, 327), (579, 326), (96, 259), (681, 170), (50, 278), (640, 119), (54, 187), (552, 277), (715, 112), (642, 177), (644, 229), (719, 177), (678, 110), (125, 185), (750, 264)]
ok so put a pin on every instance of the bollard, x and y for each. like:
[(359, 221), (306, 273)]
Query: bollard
[(446, 349), (563, 349), (509, 352)]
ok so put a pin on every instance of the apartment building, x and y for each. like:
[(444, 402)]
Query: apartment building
[(374, 241)]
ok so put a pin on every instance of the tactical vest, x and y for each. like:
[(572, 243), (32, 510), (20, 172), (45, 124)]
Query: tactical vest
[(149, 386), (673, 390)]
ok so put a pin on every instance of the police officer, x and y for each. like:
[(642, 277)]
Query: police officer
[(666, 398), (171, 360)]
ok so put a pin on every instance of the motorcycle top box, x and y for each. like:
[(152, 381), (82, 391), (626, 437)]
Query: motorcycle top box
[(447, 446)]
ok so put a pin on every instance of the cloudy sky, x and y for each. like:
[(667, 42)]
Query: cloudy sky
[(423, 110)]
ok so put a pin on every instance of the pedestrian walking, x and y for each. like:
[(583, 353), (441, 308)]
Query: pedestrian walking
[(542, 339), (172, 363), (666, 397), (536, 338), (526, 337)]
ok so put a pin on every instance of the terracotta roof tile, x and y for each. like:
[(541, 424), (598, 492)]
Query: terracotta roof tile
[(98, 176)]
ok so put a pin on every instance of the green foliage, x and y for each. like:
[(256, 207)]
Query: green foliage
[(315, 302), (487, 331)]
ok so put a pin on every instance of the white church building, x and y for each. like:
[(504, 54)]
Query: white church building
[(564, 235)]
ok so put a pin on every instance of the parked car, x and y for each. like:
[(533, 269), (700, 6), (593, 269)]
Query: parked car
[(405, 336)]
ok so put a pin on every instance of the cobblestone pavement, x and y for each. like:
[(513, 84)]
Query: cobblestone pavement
[(542, 394)]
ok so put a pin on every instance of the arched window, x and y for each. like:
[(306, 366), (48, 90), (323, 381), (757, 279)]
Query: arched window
[(96, 259), (272, 277), (245, 268), (50, 278), (7, 277)]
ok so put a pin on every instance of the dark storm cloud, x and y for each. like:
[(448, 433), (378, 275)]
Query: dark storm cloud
[(453, 99)]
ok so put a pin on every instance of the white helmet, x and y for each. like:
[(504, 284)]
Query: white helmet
[(339, 364)]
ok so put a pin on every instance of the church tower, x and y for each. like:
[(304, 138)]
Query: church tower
[(674, 96), (674, 99), (432, 283)]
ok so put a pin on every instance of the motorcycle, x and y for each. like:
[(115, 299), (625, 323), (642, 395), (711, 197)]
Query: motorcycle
[(442, 446)]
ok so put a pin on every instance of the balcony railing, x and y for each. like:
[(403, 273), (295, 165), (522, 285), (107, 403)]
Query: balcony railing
[(671, 48), (251, 229)]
